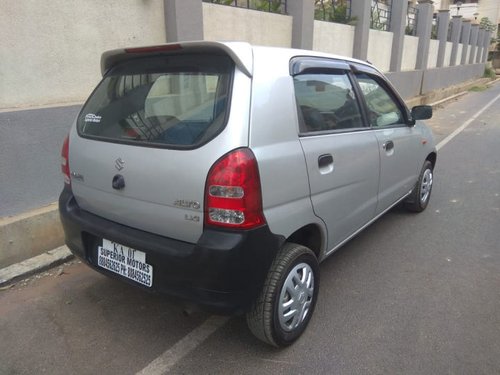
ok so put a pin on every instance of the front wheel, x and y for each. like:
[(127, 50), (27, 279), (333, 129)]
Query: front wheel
[(283, 309), (419, 198)]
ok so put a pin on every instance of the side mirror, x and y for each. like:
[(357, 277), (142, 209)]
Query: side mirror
[(421, 112)]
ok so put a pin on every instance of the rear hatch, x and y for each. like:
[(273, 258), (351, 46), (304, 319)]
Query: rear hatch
[(146, 138)]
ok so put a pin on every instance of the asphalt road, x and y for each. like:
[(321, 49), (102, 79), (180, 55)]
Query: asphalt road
[(30, 157), (412, 294)]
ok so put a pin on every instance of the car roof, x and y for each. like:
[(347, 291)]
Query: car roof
[(240, 52)]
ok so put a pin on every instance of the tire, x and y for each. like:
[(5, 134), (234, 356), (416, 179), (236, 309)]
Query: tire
[(419, 198), (267, 319)]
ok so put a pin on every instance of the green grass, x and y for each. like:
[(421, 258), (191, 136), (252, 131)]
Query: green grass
[(489, 73), (478, 88)]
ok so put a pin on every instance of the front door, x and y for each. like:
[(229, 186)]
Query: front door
[(398, 143), (341, 152)]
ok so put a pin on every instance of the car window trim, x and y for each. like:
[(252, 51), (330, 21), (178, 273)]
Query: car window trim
[(300, 65), (309, 65), (334, 132), (361, 100)]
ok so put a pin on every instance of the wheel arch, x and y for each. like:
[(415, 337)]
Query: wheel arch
[(310, 236), (432, 157)]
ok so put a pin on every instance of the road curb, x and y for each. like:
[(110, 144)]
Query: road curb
[(29, 234), (482, 81), (447, 94), (39, 263), (448, 99)]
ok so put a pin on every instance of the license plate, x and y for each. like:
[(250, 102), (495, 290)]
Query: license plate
[(125, 261)]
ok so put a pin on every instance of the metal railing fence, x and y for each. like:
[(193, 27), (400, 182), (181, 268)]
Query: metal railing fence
[(411, 20), (272, 6), (338, 11), (381, 15)]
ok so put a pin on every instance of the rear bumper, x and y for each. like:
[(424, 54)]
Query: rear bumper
[(223, 272)]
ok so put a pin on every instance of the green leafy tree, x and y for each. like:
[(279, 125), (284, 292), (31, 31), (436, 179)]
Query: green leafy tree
[(223, 2), (486, 24), (332, 11), (273, 6)]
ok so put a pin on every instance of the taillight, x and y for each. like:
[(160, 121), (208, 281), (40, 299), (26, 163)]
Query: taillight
[(65, 161), (233, 195)]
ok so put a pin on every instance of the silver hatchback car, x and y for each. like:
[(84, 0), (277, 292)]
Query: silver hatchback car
[(223, 173)]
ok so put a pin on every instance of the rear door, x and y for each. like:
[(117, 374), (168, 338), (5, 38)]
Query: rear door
[(399, 144), (148, 135), (341, 152)]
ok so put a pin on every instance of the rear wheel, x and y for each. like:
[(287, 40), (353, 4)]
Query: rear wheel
[(283, 309), (419, 198)]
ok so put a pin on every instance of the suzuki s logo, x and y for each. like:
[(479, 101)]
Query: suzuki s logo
[(119, 164)]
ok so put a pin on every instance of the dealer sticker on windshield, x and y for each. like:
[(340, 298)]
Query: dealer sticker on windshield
[(124, 261)]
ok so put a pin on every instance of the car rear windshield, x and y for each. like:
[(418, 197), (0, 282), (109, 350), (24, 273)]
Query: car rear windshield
[(164, 101)]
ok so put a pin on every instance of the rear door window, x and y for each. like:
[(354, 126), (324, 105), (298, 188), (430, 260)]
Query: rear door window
[(168, 101), (326, 102)]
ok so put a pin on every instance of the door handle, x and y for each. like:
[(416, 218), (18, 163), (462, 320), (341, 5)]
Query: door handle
[(325, 163), (388, 145), (325, 160)]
